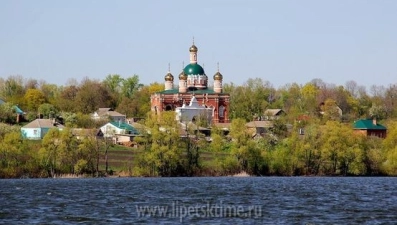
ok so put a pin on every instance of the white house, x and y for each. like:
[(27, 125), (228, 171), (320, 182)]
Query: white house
[(38, 128), (116, 128), (193, 112)]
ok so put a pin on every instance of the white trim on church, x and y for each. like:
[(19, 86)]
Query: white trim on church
[(189, 113)]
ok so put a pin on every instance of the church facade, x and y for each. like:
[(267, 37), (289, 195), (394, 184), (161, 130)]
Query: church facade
[(193, 82)]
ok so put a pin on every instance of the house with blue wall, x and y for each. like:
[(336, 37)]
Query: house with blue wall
[(36, 129)]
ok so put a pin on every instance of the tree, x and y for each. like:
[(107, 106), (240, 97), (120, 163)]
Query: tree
[(12, 155), (89, 152), (67, 100), (155, 87), (129, 86), (138, 105), (51, 92), (341, 152), (48, 154), (310, 149), (34, 98), (113, 82), (244, 148), (7, 113), (48, 111), (163, 155), (93, 95), (330, 110), (12, 89), (309, 92), (377, 111)]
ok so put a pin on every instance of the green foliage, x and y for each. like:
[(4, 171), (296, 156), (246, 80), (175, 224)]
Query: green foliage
[(389, 166), (81, 166), (5, 129), (12, 89), (48, 111), (163, 155), (377, 111), (130, 86), (328, 147), (33, 99), (7, 113), (92, 95), (249, 100)]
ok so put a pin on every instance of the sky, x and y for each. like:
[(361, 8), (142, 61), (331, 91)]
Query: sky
[(281, 42)]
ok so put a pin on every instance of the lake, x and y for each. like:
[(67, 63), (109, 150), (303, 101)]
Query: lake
[(200, 200)]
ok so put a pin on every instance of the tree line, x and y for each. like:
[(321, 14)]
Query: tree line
[(329, 146)]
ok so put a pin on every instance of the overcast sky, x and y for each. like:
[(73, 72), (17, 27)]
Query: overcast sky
[(279, 41)]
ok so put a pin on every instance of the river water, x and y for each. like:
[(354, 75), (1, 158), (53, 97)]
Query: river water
[(202, 200)]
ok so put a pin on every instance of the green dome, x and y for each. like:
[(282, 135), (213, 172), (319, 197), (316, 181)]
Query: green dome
[(194, 69)]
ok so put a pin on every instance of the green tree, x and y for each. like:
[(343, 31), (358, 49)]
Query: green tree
[(244, 148), (93, 95), (89, 150), (113, 82), (34, 98), (48, 111), (67, 100), (7, 113), (12, 89), (48, 154), (130, 86), (14, 155), (51, 92), (163, 155), (341, 152)]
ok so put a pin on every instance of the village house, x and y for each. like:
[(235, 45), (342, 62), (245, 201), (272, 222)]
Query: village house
[(119, 132), (272, 114), (108, 113), (38, 128), (259, 127), (370, 127)]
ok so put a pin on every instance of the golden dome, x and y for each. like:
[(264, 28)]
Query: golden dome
[(193, 48), (182, 76), (169, 77), (218, 76)]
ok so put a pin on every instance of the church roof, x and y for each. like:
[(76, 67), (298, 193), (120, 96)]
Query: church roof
[(198, 91)]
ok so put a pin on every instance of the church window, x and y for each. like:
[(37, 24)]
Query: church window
[(221, 111), (168, 108)]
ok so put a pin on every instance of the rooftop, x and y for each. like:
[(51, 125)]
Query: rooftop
[(368, 124)]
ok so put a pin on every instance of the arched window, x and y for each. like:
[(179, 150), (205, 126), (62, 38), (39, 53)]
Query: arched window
[(221, 111), (168, 108)]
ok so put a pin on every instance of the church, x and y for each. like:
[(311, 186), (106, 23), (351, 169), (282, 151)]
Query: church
[(193, 84)]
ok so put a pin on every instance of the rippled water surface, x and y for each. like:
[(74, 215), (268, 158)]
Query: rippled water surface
[(225, 200)]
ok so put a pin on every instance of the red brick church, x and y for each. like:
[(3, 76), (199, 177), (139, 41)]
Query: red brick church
[(193, 82)]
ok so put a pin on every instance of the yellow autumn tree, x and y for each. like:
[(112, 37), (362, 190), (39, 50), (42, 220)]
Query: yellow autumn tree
[(33, 99)]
